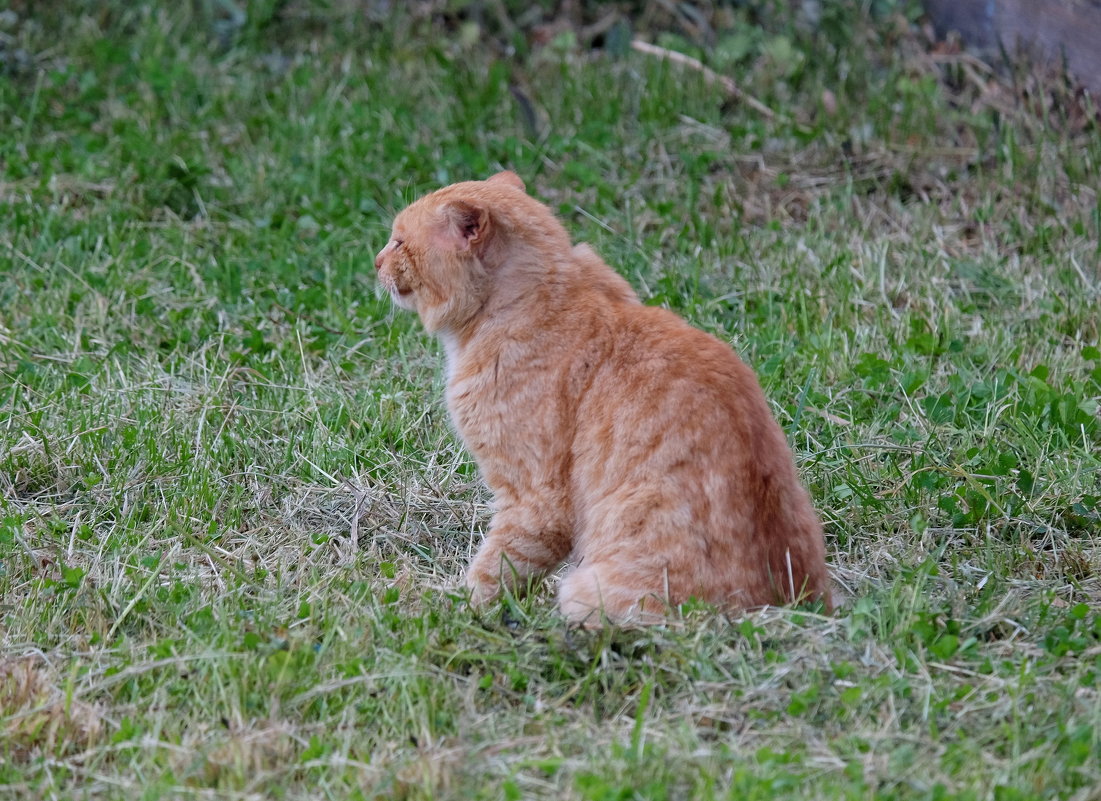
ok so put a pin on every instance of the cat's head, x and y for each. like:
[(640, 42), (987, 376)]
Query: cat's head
[(445, 248)]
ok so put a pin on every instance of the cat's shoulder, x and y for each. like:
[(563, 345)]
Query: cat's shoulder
[(596, 274)]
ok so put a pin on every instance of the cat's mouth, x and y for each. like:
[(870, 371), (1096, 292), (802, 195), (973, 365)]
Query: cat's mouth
[(403, 298), (396, 291)]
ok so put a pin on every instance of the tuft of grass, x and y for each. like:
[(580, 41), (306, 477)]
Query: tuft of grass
[(232, 513)]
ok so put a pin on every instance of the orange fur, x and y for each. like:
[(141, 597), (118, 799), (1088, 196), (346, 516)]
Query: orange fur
[(613, 435)]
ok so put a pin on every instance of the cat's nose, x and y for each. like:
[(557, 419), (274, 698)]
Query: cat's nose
[(378, 260)]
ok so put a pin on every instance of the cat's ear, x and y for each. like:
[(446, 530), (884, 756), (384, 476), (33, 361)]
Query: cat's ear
[(507, 177), (466, 226)]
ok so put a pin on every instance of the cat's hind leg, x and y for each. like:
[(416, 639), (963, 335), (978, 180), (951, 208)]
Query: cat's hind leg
[(593, 593)]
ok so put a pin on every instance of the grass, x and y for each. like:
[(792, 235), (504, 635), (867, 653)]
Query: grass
[(233, 511)]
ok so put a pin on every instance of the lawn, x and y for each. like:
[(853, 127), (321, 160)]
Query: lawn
[(233, 513)]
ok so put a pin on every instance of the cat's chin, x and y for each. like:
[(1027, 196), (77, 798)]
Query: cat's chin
[(403, 300)]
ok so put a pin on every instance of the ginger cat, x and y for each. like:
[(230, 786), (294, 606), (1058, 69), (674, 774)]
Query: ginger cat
[(612, 434)]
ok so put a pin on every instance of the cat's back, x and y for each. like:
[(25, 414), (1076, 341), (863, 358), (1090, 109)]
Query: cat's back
[(656, 347)]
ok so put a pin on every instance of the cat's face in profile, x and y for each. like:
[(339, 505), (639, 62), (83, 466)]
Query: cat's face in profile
[(419, 266), (435, 262), (396, 273)]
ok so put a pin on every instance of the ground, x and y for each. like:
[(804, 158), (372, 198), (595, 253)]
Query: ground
[(233, 512)]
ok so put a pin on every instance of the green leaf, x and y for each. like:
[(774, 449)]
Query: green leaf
[(72, 576), (945, 646)]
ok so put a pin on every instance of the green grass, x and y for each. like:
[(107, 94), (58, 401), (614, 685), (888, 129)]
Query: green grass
[(233, 512)]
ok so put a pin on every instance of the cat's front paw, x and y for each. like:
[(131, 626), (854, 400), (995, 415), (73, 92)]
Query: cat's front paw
[(483, 576), (482, 591)]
